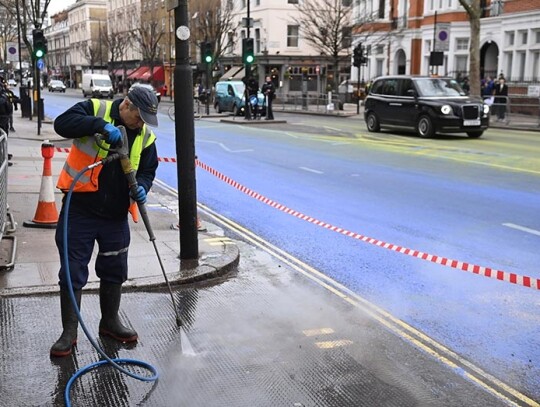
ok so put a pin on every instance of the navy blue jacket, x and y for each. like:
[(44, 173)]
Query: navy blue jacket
[(111, 201)]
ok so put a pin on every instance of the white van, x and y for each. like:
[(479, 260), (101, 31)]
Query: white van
[(97, 85)]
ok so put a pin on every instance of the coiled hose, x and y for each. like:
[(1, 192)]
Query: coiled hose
[(116, 362)]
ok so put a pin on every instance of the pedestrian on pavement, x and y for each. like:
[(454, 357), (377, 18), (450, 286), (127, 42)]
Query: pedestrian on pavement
[(269, 92), (6, 109), (100, 204), (14, 103), (501, 98)]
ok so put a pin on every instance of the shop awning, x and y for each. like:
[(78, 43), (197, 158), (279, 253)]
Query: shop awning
[(137, 73), (233, 73), (159, 74), (120, 72)]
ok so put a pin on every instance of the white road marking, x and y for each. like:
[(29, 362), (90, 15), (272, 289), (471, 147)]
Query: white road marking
[(223, 146), (311, 170), (522, 228)]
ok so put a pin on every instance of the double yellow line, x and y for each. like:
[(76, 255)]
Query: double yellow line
[(444, 355)]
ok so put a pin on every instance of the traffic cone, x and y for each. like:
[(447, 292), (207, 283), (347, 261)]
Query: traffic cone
[(46, 213)]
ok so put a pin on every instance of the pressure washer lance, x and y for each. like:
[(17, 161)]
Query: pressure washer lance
[(123, 154)]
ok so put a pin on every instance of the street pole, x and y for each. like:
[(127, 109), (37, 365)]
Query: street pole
[(358, 91), (208, 93), (185, 134), (247, 68)]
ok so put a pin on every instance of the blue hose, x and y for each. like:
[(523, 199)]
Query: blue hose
[(116, 362)]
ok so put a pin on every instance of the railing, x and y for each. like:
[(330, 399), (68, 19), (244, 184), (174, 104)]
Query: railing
[(3, 181), (311, 103)]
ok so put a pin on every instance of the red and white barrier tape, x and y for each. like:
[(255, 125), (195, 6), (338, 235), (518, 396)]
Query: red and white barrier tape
[(501, 275)]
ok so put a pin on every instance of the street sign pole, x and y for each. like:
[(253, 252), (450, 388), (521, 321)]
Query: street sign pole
[(184, 133)]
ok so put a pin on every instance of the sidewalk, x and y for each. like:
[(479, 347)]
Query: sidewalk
[(36, 259)]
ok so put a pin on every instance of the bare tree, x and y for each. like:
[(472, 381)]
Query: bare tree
[(212, 21), (31, 15), (148, 37), (8, 29), (474, 11), (91, 52), (117, 43), (326, 25)]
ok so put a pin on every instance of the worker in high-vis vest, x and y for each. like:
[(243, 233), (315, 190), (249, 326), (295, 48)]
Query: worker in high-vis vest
[(98, 211)]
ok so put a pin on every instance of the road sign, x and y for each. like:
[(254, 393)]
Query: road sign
[(442, 37), (40, 64)]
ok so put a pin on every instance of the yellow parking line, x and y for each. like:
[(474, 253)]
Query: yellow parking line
[(333, 344), (315, 332)]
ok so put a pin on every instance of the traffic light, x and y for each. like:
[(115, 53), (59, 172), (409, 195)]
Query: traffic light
[(207, 52), (357, 55), (248, 52), (39, 43)]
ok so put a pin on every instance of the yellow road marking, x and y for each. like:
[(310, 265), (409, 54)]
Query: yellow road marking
[(315, 332), (333, 344), (400, 328)]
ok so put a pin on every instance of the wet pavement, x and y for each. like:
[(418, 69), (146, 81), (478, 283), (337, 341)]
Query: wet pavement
[(255, 331)]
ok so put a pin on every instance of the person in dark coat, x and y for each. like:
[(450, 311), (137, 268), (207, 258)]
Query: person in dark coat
[(100, 204), (500, 92), (252, 89), (6, 108), (269, 92)]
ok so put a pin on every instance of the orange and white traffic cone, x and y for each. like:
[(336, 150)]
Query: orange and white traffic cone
[(46, 213)]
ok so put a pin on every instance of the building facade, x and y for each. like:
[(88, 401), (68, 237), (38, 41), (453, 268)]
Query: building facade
[(405, 32)]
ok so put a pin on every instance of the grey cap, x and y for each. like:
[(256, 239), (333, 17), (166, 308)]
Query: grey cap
[(147, 103)]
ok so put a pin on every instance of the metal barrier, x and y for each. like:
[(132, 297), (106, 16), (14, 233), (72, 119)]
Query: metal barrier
[(7, 224), (319, 104), (520, 109)]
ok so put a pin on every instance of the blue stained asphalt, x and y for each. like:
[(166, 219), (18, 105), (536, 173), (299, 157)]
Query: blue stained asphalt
[(479, 314)]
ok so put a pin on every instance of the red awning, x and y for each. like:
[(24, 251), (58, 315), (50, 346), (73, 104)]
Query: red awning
[(120, 72), (159, 74), (137, 73)]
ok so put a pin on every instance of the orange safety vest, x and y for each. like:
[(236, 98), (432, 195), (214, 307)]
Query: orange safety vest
[(84, 151)]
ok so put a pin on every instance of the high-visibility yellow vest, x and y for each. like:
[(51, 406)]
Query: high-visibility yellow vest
[(84, 151)]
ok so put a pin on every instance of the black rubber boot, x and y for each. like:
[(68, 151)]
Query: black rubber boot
[(64, 344), (110, 325)]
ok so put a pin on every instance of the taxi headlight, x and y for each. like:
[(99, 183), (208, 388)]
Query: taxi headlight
[(486, 109), (446, 109)]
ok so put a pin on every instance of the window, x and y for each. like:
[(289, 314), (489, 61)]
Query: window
[(292, 35), (461, 63), (537, 37), (462, 44), (292, 1), (509, 38), (524, 38), (381, 8), (257, 40)]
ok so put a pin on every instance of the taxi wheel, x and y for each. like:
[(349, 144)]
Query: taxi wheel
[(424, 127), (372, 122)]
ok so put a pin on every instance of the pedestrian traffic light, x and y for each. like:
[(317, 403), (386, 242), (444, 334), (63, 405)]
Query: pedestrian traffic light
[(39, 43), (248, 53), (357, 55), (207, 52)]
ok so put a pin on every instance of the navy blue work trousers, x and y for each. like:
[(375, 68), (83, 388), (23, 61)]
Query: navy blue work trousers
[(112, 237)]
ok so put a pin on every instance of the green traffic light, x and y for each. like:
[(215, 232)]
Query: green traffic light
[(39, 53), (208, 59), (250, 59)]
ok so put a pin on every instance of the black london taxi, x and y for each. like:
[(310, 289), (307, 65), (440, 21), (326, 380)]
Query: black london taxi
[(428, 105)]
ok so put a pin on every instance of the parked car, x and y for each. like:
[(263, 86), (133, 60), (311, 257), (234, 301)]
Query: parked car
[(230, 98), (428, 105), (57, 86), (12, 82), (148, 86)]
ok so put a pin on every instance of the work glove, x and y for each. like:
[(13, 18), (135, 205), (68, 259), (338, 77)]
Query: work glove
[(112, 134), (139, 195)]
